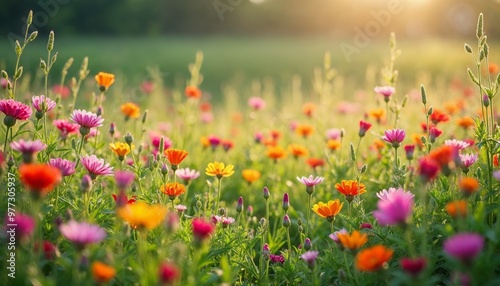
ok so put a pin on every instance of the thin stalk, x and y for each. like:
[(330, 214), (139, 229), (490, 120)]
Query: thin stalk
[(308, 214), (218, 193), (289, 241)]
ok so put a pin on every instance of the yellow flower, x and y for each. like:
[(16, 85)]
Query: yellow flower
[(120, 149), (328, 210), (219, 170), (353, 241), (131, 110), (104, 80), (250, 175), (142, 216)]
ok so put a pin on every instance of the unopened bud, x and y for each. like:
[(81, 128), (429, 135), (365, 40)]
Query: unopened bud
[(307, 244), (86, 184), (32, 36), (50, 44), (239, 206), (266, 193), (468, 49), (286, 202), (286, 221), (128, 139)]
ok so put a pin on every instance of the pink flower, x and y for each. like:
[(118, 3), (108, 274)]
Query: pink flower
[(386, 91), (310, 181), (409, 150), (413, 266), (464, 246), (256, 103), (86, 119), (434, 133), (64, 91), (394, 136), (66, 167), (28, 149), (147, 87), (457, 144), (187, 174), (124, 179), (394, 206), (206, 117), (333, 134), (363, 127), (226, 221), (82, 233), (202, 229), (14, 110), (168, 273), (467, 161), (428, 168), (214, 141), (23, 226), (180, 208), (334, 236), (276, 258), (156, 139), (42, 103), (310, 258), (65, 127), (96, 166)]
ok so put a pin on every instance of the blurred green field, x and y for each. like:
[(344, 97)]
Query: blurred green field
[(225, 58)]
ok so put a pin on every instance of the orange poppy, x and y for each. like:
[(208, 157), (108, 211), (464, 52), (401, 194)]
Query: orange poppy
[(173, 190), (102, 273), (457, 209), (297, 150), (353, 241), (438, 116), (468, 185), (131, 110), (275, 152), (443, 155), (328, 210), (104, 80), (250, 175), (192, 92), (373, 258), (304, 130), (350, 188), (39, 178), (175, 157)]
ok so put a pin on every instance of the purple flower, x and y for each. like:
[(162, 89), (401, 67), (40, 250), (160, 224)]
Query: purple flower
[(386, 91), (82, 233), (187, 174), (42, 103), (310, 256), (394, 136), (124, 179), (276, 258), (310, 181), (394, 206), (23, 226), (464, 246), (334, 236), (496, 175), (28, 148), (468, 159), (86, 120), (96, 166), (65, 166), (256, 103), (14, 110), (457, 144)]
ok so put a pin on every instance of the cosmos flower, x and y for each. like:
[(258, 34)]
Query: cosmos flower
[(42, 103), (82, 233), (14, 110), (96, 166), (66, 167)]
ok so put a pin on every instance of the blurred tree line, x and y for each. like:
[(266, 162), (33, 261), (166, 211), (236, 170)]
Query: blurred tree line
[(244, 17)]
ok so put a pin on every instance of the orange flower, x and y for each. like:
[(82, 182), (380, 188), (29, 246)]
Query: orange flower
[(353, 241), (102, 273), (378, 114), (350, 188), (378, 145), (104, 80), (315, 162), (192, 92), (438, 116), (417, 138), (175, 157), (468, 185), (308, 108), (328, 210), (39, 178), (275, 134), (373, 258), (333, 145), (297, 150), (457, 209), (304, 130), (495, 160), (205, 142), (275, 152), (142, 216), (443, 155), (173, 190), (493, 68), (466, 122), (250, 175), (131, 110), (452, 107)]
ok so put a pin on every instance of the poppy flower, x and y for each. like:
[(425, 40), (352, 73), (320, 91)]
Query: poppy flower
[(39, 178), (192, 92)]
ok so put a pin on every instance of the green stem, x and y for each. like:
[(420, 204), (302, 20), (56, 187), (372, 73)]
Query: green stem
[(308, 214), (289, 241), (6, 139), (219, 191)]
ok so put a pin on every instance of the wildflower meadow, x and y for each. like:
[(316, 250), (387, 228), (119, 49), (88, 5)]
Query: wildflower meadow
[(397, 185)]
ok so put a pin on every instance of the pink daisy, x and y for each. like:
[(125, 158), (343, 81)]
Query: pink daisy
[(14, 110), (187, 174), (96, 166), (394, 207), (82, 233), (65, 127), (386, 91), (310, 181), (28, 149), (464, 246), (66, 167), (42, 103), (394, 136), (86, 120), (457, 144), (256, 103)]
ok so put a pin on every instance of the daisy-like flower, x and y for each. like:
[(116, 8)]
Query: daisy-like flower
[(226, 221), (457, 144), (413, 266), (250, 175), (333, 134), (304, 130), (457, 209), (23, 226), (219, 170), (354, 241), (130, 110), (309, 108), (192, 92), (373, 258), (175, 157), (82, 233), (39, 179), (96, 166), (386, 91), (14, 110), (335, 236), (310, 258), (386, 194), (438, 116), (120, 149), (275, 152), (328, 210), (168, 273), (394, 207), (104, 80), (297, 150), (467, 161), (428, 168), (66, 167), (173, 190), (276, 258), (142, 216), (28, 149), (124, 179), (86, 120), (350, 189), (187, 175), (310, 182), (42, 104), (394, 136), (256, 103), (65, 127), (464, 246)]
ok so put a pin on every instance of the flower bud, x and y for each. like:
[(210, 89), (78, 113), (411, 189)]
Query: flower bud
[(239, 206), (286, 202), (266, 193), (286, 221), (128, 139), (86, 184), (307, 244)]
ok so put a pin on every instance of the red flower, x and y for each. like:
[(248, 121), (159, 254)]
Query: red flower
[(168, 273), (202, 229)]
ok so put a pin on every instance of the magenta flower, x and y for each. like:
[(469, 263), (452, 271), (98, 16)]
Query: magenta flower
[(156, 139), (256, 103), (66, 167), (214, 141), (226, 221), (496, 175), (434, 133), (276, 258), (409, 150), (310, 258), (413, 266), (82, 233), (86, 120), (14, 110), (42, 103), (20, 225), (386, 91), (464, 246), (28, 149), (124, 179), (394, 136), (96, 166), (394, 206), (363, 127), (65, 127), (457, 144), (333, 134), (187, 174), (310, 181), (467, 160)]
